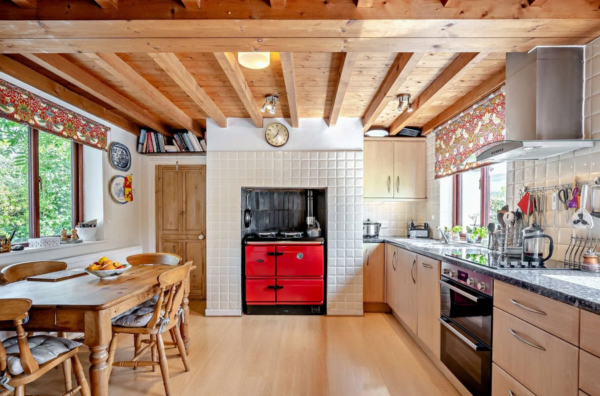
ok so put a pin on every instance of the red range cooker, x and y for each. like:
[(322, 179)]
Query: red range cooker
[(284, 275)]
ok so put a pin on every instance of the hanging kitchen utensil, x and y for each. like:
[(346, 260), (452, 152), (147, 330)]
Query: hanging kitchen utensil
[(524, 204), (573, 203), (247, 213), (593, 203), (554, 207), (582, 218), (563, 196)]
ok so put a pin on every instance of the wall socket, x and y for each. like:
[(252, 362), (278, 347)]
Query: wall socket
[(385, 224)]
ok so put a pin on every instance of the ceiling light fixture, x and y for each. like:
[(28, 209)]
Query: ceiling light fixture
[(270, 104), (402, 99), (377, 133), (254, 60)]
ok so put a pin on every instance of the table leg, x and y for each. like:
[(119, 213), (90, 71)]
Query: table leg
[(98, 333), (186, 313)]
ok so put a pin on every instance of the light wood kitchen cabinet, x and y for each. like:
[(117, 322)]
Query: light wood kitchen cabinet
[(410, 170), (543, 363), (407, 295), (374, 272), (378, 170), (395, 168), (428, 301), (590, 332), (391, 275), (504, 385), (589, 367), (555, 317)]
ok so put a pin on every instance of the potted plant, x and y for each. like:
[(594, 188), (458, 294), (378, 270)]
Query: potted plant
[(456, 230), (471, 236)]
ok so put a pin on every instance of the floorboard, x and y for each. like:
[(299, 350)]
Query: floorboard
[(282, 355)]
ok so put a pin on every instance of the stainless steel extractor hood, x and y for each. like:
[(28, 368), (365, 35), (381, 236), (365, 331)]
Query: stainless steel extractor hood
[(544, 106)]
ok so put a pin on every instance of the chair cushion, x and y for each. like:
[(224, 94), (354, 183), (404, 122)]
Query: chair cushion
[(43, 348), (135, 317)]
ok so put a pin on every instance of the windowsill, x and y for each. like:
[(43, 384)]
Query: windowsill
[(45, 249)]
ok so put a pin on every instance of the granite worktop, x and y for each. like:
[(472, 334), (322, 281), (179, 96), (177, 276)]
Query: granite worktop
[(574, 287), (373, 240)]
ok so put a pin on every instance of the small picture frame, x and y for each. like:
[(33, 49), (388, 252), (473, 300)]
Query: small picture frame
[(119, 156)]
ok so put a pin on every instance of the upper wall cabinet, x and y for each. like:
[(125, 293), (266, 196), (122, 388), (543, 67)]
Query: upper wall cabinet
[(395, 168)]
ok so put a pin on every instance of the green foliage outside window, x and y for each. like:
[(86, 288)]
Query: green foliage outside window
[(55, 186)]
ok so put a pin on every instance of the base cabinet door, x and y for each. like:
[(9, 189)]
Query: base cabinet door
[(428, 301), (589, 370), (407, 298), (374, 272), (505, 385), (543, 363), (391, 275)]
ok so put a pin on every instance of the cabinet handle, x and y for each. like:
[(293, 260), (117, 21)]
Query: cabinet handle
[(389, 183), (510, 393), (398, 184), (394, 261), (368, 256), (527, 308), (524, 341), (412, 270), (426, 265)]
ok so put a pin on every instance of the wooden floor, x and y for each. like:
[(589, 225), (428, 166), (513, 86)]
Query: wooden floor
[(283, 356)]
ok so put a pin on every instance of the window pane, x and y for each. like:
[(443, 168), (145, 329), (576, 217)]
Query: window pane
[(471, 198), (55, 186), (497, 183), (14, 187)]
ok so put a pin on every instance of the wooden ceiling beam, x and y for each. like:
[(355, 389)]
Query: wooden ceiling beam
[(119, 69), (76, 76), (108, 3), (234, 73), (458, 68), (177, 45), (475, 95), (364, 3), (345, 73), (182, 77), (402, 67), (537, 3), (451, 3), (289, 76), (26, 3), (46, 85), (191, 4), (277, 3)]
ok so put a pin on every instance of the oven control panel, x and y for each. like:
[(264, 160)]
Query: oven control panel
[(469, 278)]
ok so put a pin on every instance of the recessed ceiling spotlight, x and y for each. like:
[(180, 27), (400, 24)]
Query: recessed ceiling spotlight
[(270, 104)]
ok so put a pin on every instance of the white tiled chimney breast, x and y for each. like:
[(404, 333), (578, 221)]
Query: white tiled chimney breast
[(340, 172)]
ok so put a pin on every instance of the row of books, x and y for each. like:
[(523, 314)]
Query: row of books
[(154, 142)]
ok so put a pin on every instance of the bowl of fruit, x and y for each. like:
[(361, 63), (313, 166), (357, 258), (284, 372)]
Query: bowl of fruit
[(107, 269)]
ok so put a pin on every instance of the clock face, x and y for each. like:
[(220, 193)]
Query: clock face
[(277, 135)]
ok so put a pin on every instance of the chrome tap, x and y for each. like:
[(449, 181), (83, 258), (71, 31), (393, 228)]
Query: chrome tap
[(446, 241)]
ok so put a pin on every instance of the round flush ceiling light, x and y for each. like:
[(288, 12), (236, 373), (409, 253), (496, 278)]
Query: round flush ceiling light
[(377, 133), (254, 60)]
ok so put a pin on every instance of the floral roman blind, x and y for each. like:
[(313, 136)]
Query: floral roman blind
[(456, 141), (24, 107)]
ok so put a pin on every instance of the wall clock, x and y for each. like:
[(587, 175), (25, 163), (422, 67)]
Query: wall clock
[(277, 134)]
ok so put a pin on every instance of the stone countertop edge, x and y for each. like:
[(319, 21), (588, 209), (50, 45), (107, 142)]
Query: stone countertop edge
[(565, 292), (373, 240)]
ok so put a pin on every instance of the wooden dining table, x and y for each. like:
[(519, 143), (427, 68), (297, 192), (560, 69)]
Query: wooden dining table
[(87, 304)]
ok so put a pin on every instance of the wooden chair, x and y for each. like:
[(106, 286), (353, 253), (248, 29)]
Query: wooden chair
[(15, 310), (22, 271), (164, 318), (149, 259)]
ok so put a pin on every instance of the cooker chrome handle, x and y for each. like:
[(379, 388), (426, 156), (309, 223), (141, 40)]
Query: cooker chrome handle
[(412, 270), (389, 183), (394, 261), (527, 308), (524, 341), (459, 291), (464, 339)]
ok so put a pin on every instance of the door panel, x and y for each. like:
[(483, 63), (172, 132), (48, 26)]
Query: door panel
[(299, 290), (378, 169), (428, 326), (410, 170), (391, 260), (260, 290), (259, 262), (407, 299), (374, 272), (181, 218), (300, 261)]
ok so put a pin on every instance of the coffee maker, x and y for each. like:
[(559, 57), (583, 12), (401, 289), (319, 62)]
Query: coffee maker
[(534, 244)]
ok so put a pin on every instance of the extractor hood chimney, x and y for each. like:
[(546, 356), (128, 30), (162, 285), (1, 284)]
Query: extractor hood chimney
[(544, 105)]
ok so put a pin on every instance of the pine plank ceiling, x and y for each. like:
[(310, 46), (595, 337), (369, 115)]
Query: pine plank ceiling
[(437, 61)]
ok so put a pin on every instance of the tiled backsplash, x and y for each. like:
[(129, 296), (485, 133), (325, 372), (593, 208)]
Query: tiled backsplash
[(339, 172), (394, 216)]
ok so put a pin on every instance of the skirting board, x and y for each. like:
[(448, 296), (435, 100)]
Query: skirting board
[(438, 363), (223, 312), (345, 312)]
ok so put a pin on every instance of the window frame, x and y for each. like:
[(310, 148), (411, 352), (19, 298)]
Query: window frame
[(34, 180), (484, 188)]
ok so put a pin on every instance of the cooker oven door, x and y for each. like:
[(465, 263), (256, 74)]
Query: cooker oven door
[(468, 308)]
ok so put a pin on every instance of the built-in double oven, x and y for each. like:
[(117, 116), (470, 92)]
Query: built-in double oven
[(466, 327)]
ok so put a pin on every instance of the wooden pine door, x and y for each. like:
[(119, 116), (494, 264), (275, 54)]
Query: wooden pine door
[(181, 218)]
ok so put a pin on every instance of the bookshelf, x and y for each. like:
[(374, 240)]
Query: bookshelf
[(177, 154)]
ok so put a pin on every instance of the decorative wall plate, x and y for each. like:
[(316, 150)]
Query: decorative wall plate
[(116, 188), (119, 156)]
